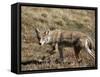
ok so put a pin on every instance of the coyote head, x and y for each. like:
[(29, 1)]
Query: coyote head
[(43, 37)]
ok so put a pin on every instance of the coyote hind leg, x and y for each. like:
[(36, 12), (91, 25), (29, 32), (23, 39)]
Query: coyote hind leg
[(77, 51)]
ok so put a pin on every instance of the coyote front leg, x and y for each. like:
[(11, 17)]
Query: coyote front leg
[(54, 48), (60, 49)]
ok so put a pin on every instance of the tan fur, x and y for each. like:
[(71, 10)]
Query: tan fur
[(77, 40)]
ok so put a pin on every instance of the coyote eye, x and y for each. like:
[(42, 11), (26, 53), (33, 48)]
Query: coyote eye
[(43, 38)]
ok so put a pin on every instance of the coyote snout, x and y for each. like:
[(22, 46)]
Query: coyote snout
[(75, 39), (43, 41)]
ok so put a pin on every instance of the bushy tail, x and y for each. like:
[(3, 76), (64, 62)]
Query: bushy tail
[(92, 44), (90, 47)]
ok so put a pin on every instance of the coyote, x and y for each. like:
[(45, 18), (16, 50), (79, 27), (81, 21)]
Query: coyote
[(60, 38)]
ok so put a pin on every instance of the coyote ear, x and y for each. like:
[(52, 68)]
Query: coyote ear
[(37, 30), (37, 33), (46, 32)]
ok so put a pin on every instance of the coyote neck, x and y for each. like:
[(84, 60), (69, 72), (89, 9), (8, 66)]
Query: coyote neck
[(55, 36)]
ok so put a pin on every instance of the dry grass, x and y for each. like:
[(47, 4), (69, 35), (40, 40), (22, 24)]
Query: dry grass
[(47, 18)]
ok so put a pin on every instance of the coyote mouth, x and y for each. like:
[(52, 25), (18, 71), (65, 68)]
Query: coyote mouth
[(41, 43)]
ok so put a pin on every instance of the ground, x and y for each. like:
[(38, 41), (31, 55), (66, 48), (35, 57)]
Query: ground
[(36, 57)]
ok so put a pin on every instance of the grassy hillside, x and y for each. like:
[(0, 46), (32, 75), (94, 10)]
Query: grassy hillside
[(47, 18)]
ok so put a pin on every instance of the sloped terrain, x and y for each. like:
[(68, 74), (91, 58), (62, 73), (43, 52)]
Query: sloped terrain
[(36, 57)]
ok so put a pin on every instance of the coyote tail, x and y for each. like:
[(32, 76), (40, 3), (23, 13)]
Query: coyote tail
[(89, 46)]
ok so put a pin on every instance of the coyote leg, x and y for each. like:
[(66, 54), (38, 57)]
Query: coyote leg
[(55, 47), (77, 51), (60, 49), (52, 50)]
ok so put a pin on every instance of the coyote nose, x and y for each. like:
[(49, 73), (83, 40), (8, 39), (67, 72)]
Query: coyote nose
[(39, 43)]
